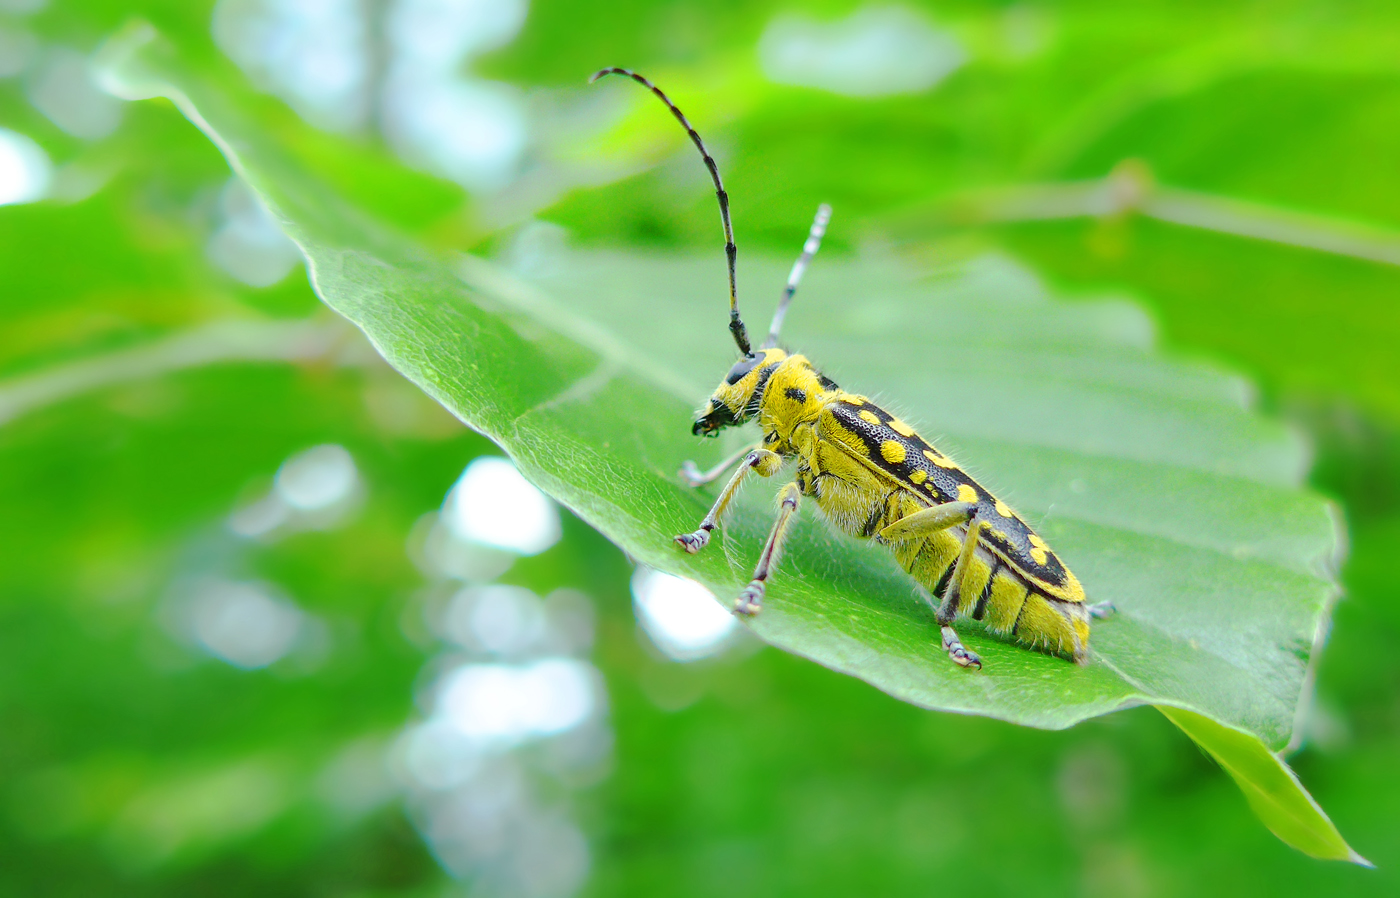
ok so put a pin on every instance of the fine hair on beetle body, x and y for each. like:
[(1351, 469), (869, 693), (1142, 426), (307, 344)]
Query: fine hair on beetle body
[(873, 477)]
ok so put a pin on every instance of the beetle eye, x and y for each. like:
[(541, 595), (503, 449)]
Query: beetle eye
[(742, 367)]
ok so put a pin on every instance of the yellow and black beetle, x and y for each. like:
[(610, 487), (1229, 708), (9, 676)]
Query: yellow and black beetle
[(875, 478)]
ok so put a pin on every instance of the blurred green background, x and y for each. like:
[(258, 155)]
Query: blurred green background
[(218, 640)]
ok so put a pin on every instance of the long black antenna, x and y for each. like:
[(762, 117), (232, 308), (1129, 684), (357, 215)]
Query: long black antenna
[(736, 325), (809, 249)]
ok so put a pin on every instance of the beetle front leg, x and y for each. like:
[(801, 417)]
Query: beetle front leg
[(750, 600), (694, 477), (763, 461)]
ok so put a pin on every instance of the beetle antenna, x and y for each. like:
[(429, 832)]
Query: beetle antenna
[(736, 325), (799, 268)]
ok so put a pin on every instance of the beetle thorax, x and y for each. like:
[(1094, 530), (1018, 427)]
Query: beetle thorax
[(793, 395)]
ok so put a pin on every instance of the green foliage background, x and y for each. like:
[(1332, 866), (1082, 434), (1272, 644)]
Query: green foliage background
[(775, 776)]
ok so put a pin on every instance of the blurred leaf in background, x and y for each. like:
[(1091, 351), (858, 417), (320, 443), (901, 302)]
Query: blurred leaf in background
[(170, 477)]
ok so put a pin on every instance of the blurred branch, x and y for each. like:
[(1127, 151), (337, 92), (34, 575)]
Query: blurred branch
[(223, 341), (1130, 189)]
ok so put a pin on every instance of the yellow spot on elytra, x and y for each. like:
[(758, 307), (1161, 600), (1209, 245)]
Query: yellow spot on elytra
[(1038, 542), (892, 452), (870, 417), (1002, 509), (901, 428), (966, 493), (855, 400), (918, 476), (1039, 555), (942, 461)]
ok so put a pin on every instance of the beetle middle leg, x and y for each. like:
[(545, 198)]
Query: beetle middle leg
[(750, 600), (763, 461)]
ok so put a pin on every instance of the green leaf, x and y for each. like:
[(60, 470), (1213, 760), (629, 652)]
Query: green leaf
[(1151, 476), (1271, 789)]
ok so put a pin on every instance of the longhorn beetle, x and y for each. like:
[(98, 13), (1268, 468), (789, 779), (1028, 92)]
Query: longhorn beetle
[(875, 478)]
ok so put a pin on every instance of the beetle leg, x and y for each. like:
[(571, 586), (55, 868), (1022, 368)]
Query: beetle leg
[(948, 611), (927, 521), (763, 461), (694, 477), (750, 600)]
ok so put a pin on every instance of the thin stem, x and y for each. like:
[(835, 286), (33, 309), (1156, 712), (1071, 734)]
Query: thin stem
[(223, 341)]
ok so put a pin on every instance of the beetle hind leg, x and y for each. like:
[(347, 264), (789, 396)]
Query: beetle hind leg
[(959, 653), (952, 599)]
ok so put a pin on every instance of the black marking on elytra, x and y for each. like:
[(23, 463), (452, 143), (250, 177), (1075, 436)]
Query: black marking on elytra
[(796, 394), (1012, 540)]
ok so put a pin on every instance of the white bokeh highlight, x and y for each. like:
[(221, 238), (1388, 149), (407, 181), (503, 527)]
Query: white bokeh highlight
[(249, 244), (25, 170), (504, 705), (312, 53), (63, 88), (500, 619), (243, 623), (411, 66), (875, 51), (493, 505), (680, 616), (18, 47), (318, 478), (315, 489), (435, 113)]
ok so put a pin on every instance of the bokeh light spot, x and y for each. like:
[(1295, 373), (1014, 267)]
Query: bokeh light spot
[(494, 505), (681, 616), (505, 620), (24, 169), (17, 47), (244, 623), (250, 245), (470, 130), (62, 87), (312, 53), (506, 704), (318, 478), (876, 51)]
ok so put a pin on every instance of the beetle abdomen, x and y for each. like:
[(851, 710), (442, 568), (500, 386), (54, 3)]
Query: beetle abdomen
[(868, 469)]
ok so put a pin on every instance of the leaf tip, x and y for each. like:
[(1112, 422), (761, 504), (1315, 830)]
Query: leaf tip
[(1354, 858)]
